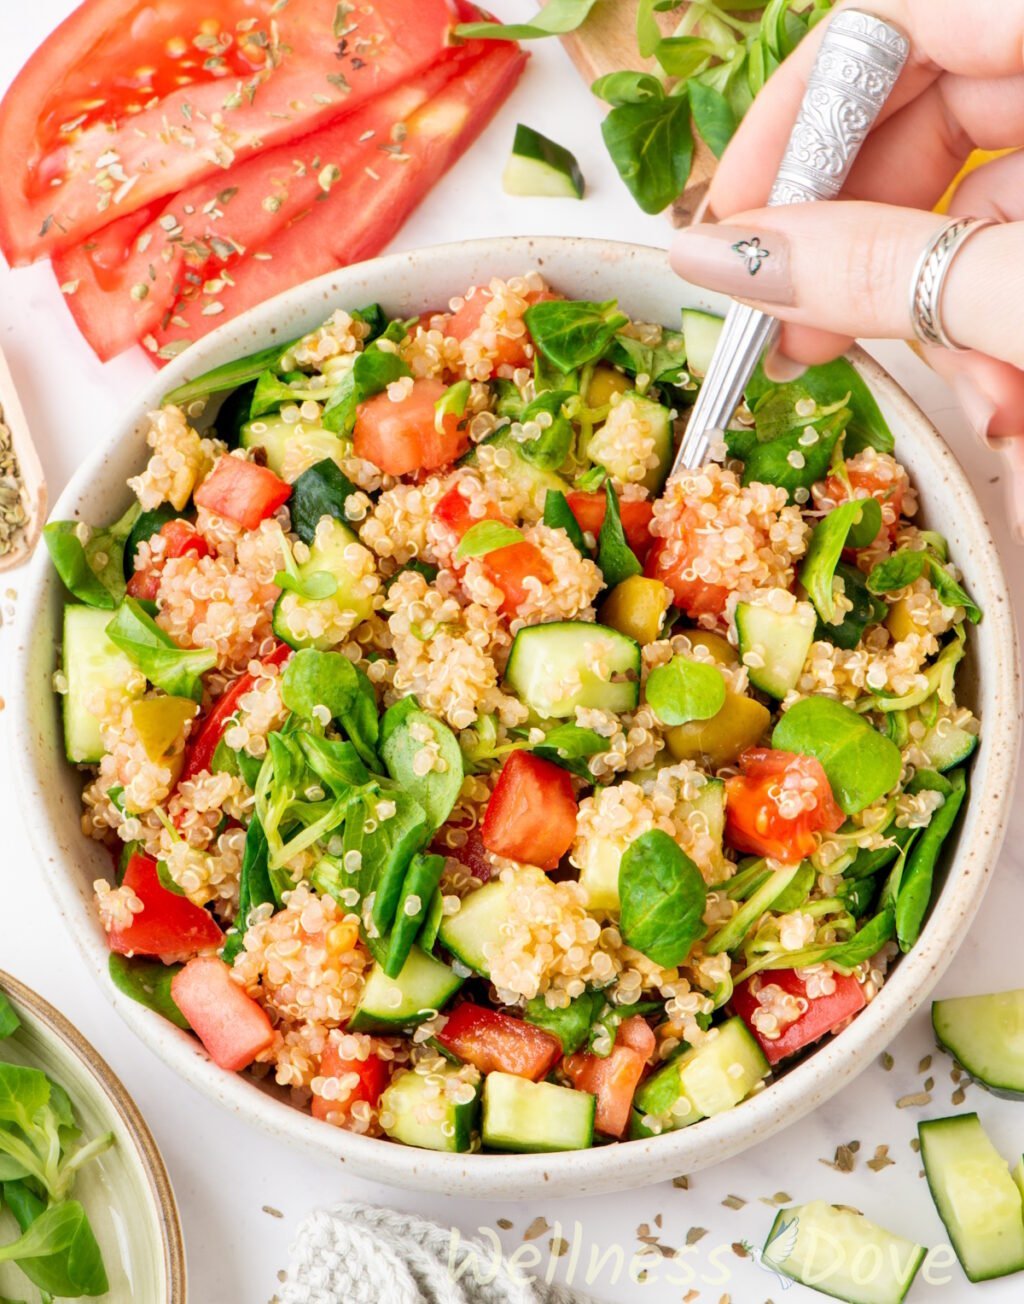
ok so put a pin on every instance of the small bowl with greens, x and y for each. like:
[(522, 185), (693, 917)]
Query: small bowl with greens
[(86, 1206)]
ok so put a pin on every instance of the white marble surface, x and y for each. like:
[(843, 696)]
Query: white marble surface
[(240, 1192)]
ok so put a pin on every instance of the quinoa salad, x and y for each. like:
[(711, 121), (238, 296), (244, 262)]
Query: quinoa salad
[(471, 779)]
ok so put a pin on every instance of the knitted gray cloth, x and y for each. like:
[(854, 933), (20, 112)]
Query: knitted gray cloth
[(361, 1254)]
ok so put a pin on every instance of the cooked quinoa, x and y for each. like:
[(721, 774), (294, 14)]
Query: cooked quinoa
[(480, 752)]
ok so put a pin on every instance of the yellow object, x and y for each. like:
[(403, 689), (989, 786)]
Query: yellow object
[(342, 937), (900, 623), (636, 608), (719, 647), (738, 725), (976, 160), (160, 722), (605, 382)]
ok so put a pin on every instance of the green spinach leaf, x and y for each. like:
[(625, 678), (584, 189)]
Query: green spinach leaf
[(571, 746), (149, 983), (651, 145), (615, 557), (254, 887), (828, 384), (92, 572), (552, 446), (571, 332), (555, 18), (487, 536), (685, 690), (177, 671), (854, 524), (9, 1021), (866, 610), (58, 1252), (385, 847), (229, 375), (617, 88), (915, 892), (321, 490), (861, 764), (662, 898), (312, 679), (559, 516), (421, 881), (570, 1023), (712, 113), (438, 788), (146, 525), (371, 373)]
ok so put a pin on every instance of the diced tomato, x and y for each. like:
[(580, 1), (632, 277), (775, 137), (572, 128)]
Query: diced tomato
[(472, 853), (531, 814), (200, 752), (373, 1076), (402, 436), (778, 804), (452, 509), (497, 1043), (820, 1014), (179, 538), (636, 514), (168, 924), (671, 561), (614, 1079), (129, 101), (242, 492), (229, 1023), (306, 230), (509, 351)]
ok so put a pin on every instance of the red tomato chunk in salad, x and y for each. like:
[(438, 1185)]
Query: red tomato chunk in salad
[(453, 753)]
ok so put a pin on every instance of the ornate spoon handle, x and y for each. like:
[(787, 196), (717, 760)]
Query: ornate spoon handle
[(858, 63)]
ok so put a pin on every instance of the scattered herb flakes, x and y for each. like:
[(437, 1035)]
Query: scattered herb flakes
[(658, 1220), (741, 1249), (538, 1227), (929, 1084), (695, 1234), (845, 1158), (956, 1073), (886, 1061), (958, 1097), (915, 1098), (559, 1246), (881, 1159), (683, 1183), (274, 1213), (690, 1296), (734, 1202), (915, 1145), (505, 1224), (925, 1064)]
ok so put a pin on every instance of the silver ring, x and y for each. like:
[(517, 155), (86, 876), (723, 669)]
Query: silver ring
[(930, 278)]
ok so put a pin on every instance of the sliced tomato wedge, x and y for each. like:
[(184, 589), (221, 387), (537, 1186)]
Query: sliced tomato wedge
[(614, 1079), (180, 538), (168, 924), (778, 805), (242, 492), (282, 217), (229, 1023), (402, 435), (531, 814), (497, 1043), (814, 1016), (200, 752), (636, 514), (372, 1072), (129, 100)]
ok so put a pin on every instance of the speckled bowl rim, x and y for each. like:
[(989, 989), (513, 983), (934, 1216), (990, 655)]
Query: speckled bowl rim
[(613, 1167), (115, 1092)]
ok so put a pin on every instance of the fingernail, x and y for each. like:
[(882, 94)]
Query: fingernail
[(978, 408), (780, 369), (742, 263)]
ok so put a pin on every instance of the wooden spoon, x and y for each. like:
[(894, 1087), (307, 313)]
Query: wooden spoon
[(33, 483)]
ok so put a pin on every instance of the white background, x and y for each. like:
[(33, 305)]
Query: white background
[(225, 1174)]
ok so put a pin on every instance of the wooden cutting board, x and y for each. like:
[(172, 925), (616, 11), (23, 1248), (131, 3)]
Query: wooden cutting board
[(606, 42)]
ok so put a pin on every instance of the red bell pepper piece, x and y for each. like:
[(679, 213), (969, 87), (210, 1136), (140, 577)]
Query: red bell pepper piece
[(229, 1023), (531, 814), (168, 924), (497, 1043), (614, 1079), (179, 539), (636, 515), (821, 1014), (373, 1076), (242, 492)]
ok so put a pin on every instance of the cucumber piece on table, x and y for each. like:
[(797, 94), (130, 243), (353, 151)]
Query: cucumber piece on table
[(539, 166), (780, 640), (840, 1253), (424, 986), (986, 1036), (278, 438), (557, 667), (700, 333), (408, 1110), (326, 553), (529, 1116), (977, 1199), (96, 672)]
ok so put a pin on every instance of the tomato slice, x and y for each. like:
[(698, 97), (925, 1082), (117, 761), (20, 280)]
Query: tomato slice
[(614, 1078), (636, 514), (199, 756), (285, 218), (242, 492), (778, 805), (230, 1024), (373, 1075), (818, 1015), (497, 1043), (402, 436), (168, 924), (129, 101), (531, 814), (179, 538)]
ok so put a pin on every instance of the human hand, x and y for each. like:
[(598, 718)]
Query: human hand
[(844, 269)]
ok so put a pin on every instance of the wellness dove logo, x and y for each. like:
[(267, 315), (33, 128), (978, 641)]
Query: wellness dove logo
[(779, 1246)]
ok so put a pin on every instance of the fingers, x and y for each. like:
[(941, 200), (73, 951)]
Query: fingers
[(990, 392), (995, 189)]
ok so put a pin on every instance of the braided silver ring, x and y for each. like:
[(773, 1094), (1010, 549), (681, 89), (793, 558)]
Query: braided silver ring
[(930, 278)]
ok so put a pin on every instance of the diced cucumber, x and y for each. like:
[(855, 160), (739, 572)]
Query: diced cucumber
[(557, 667), (408, 1106), (842, 1254), (477, 924), (710, 1078), (96, 672), (280, 439), (700, 331), (946, 744), (986, 1034), (977, 1199), (539, 166), (607, 444), (424, 986), (532, 480), (781, 640), (535, 1116), (326, 553)]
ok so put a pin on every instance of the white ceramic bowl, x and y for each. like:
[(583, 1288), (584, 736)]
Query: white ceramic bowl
[(414, 282)]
